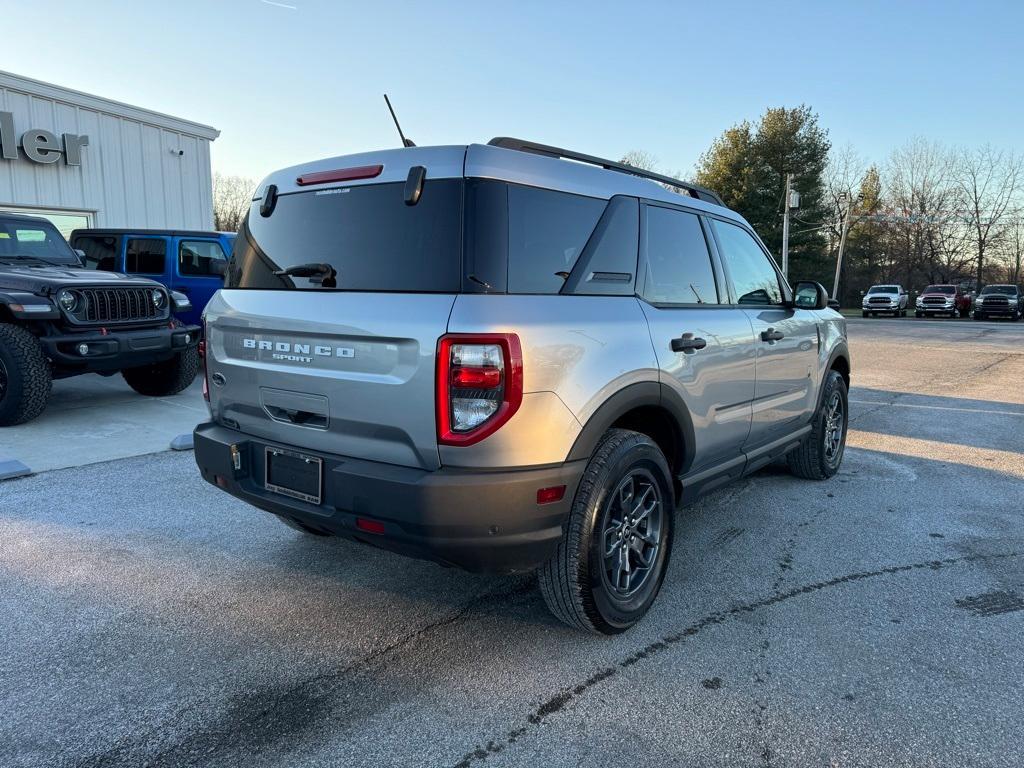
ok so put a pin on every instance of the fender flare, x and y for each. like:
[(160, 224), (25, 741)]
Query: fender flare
[(641, 394), (839, 351)]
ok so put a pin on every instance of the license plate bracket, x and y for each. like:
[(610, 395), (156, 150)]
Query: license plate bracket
[(293, 474)]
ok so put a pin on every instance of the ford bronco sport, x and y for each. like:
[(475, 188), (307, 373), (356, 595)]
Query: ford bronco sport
[(59, 320), (496, 359)]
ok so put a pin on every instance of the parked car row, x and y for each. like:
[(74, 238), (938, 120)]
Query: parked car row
[(994, 301), (116, 305)]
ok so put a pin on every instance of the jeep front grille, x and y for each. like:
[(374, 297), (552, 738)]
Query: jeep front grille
[(118, 305)]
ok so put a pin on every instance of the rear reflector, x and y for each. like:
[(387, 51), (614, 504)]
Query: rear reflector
[(369, 526), (340, 174), (549, 495)]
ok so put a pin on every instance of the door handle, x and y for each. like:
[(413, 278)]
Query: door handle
[(688, 343), (772, 335)]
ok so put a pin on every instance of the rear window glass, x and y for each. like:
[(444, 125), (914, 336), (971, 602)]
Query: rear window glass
[(366, 235), (546, 233), (201, 258)]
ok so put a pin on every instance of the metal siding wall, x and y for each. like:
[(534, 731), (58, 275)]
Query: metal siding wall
[(128, 177)]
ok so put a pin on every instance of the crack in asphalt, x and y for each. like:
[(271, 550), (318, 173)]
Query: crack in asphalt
[(271, 714), (761, 671), (560, 700)]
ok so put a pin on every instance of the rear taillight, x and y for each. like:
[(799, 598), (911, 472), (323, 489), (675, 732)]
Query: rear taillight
[(479, 385)]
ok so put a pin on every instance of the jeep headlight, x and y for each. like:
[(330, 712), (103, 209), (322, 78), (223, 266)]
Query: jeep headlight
[(68, 300), (159, 298)]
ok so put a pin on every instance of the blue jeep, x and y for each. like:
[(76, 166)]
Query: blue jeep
[(186, 261)]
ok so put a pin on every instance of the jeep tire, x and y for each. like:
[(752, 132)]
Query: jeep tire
[(167, 378), (25, 376), (821, 452), (613, 556)]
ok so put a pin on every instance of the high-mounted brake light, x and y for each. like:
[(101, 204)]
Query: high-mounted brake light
[(340, 174), (479, 385)]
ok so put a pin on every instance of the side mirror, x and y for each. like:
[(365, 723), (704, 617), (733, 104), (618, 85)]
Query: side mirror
[(181, 302), (810, 295), (81, 256), (219, 267)]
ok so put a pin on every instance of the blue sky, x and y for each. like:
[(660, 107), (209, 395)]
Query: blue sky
[(289, 84)]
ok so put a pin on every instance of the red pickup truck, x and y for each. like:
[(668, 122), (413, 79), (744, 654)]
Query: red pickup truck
[(949, 300)]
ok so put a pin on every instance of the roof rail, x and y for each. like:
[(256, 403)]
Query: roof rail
[(521, 145)]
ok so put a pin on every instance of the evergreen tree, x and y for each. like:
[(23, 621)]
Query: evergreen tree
[(747, 166)]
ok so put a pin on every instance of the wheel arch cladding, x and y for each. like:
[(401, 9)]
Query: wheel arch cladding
[(648, 408)]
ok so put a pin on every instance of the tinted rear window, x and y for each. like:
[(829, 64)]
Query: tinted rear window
[(367, 234)]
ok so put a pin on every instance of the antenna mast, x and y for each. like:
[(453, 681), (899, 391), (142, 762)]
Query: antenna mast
[(405, 142)]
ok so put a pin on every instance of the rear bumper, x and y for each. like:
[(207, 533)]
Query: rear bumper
[(473, 519), (118, 349)]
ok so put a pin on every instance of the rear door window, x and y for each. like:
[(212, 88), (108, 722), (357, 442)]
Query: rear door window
[(145, 256), (547, 231), (678, 264), (201, 258)]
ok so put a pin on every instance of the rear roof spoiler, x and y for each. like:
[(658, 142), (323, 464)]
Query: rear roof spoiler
[(522, 145)]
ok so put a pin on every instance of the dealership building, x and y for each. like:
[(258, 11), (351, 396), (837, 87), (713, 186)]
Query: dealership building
[(86, 161)]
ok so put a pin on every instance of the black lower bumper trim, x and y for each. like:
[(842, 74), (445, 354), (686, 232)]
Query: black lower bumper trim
[(485, 521), (117, 349)]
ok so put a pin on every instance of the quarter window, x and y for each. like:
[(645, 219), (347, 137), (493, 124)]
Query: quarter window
[(678, 261), (145, 257), (546, 233), (202, 258), (751, 272)]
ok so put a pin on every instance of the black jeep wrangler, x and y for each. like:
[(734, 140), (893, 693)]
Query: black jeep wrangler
[(59, 320)]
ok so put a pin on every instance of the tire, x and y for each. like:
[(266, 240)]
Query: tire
[(577, 582), (167, 378), (819, 455), (863, 313), (978, 316), (25, 376), (918, 314)]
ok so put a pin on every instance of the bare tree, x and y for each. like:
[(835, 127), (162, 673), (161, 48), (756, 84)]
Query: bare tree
[(232, 196), (1011, 247), (638, 158), (988, 180), (928, 233)]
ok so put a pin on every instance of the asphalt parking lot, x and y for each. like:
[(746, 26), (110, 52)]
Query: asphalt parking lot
[(875, 619)]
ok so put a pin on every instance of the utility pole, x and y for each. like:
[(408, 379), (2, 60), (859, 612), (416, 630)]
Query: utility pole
[(785, 228), (843, 198)]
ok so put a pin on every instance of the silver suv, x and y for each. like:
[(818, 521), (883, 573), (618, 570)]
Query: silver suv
[(495, 358)]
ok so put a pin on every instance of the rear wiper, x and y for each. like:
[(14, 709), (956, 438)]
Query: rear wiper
[(325, 272)]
